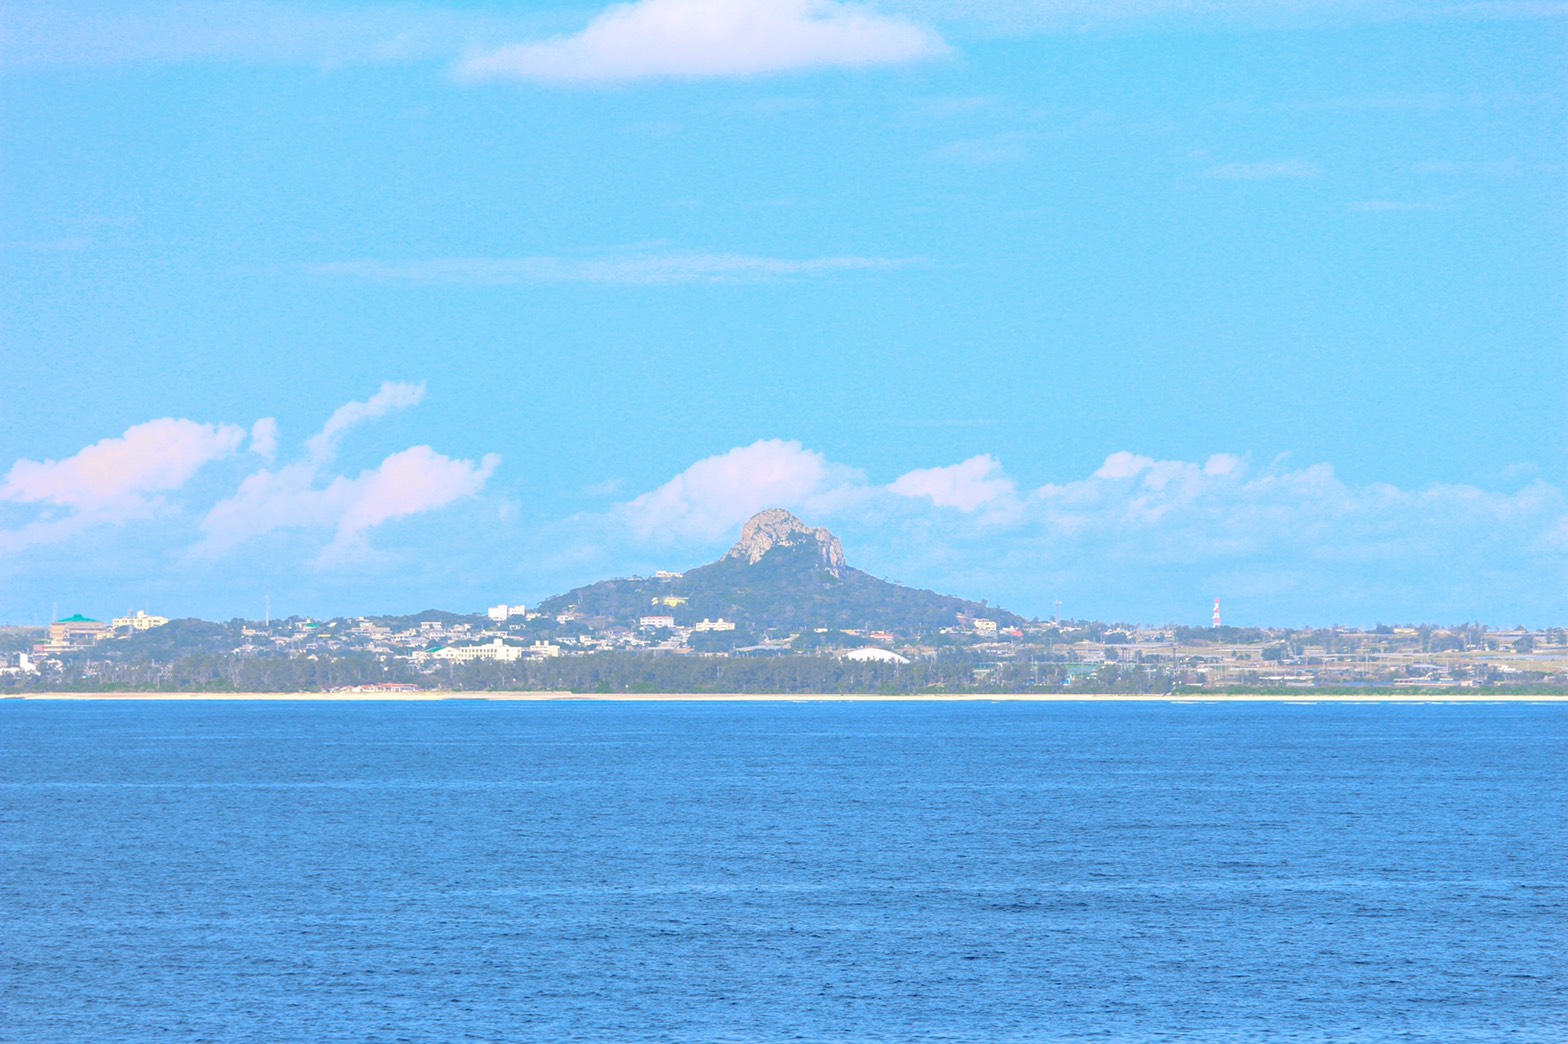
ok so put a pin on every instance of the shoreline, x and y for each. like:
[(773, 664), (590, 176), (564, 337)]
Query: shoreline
[(440, 696)]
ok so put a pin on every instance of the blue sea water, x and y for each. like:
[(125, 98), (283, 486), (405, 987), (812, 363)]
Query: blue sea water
[(469, 871)]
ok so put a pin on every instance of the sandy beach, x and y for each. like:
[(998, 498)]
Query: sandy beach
[(739, 697)]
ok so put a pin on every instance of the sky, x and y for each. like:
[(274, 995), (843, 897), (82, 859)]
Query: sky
[(359, 307)]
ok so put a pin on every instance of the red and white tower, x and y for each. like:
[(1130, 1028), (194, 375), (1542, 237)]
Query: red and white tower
[(1216, 612)]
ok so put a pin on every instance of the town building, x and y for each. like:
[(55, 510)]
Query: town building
[(720, 624), (657, 621), (75, 632), (140, 622), (495, 649), (875, 655)]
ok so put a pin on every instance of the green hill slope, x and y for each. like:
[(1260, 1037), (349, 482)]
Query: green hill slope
[(782, 575)]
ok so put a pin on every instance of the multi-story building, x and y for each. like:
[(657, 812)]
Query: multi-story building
[(140, 622), (75, 632), (495, 649)]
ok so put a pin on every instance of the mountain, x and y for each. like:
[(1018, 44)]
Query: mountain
[(781, 575)]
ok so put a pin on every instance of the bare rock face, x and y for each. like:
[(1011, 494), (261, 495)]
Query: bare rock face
[(776, 527)]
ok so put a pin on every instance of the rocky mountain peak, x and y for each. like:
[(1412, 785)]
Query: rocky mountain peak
[(776, 527)]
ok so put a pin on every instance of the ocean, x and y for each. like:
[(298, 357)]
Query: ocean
[(687, 871)]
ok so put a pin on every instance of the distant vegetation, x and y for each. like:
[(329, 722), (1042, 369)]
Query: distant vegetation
[(610, 673)]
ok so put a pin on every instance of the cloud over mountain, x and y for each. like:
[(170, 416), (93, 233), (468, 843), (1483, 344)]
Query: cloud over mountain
[(1139, 531)]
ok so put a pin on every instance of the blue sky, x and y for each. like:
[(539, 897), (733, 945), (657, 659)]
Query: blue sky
[(1129, 305)]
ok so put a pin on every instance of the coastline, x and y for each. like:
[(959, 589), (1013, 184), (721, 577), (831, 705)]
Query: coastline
[(439, 696)]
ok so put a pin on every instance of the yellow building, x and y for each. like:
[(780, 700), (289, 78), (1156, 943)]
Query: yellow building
[(140, 622), (76, 630)]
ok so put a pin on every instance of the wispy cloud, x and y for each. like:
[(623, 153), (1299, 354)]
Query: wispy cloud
[(998, 148), (251, 31), (62, 245), (1390, 206), (1048, 16), (393, 395), (636, 270), (707, 39), (1274, 170)]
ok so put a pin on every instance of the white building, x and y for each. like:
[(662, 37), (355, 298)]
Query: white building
[(665, 574), (873, 655), (720, 624), (985, 627), (543, 650), (503, 613), (657, 621), (495, 649)]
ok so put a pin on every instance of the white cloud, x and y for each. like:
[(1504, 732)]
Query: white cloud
[(976, 483), (394, 395), (1144, 536), (297, 496), (264, 437), (115, 479), (626, 270), (715, 495), (700, 39), (409, 483), (1277, 170), (328, 36)]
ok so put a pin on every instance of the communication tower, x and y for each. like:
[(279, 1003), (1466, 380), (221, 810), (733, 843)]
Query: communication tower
[(1216, 612)]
